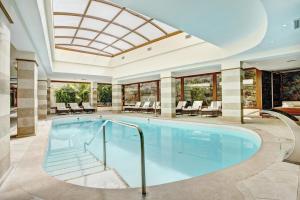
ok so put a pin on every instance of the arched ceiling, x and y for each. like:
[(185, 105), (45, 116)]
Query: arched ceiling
[(104, 28)]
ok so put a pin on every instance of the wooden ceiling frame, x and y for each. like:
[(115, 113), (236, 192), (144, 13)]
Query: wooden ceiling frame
[(87, 39), (151, 42), (109, 22), (78, 45), (100, 19), (133, 13), (92, 30), (146, 22), (82, 18), (107, 25), (79, 51)]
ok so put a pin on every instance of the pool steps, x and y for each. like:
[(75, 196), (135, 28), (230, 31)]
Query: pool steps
[(68, 165)]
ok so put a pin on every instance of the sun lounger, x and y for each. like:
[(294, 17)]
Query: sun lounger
[(88, 108), (180, 106), (75, 108), (214, 109), (61, 108), (194, 109), (132, 108), (145, 107)]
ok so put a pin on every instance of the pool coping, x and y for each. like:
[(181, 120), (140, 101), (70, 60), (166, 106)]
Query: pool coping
[(221, 184)]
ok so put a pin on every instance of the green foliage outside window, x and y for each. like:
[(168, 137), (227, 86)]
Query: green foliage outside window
[(104, 92), (73, 93)]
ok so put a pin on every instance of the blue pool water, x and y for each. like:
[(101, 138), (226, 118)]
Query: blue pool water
[(173, 150)]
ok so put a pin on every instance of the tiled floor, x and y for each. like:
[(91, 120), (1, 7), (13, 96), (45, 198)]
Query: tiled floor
[(262, 177)]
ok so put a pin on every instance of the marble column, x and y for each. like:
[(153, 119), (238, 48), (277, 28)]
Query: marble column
[(27, 94), (94, 94), (42, 99), (232, 94), (117, 103), (4, 99), (168, 95)]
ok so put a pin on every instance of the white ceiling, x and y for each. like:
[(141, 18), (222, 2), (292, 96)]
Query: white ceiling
[(283, 62)]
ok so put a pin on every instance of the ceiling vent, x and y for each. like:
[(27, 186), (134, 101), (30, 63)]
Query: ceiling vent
[(297, 24)]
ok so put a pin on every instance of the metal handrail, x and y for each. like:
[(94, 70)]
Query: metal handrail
[(93, 138), (141, 134)]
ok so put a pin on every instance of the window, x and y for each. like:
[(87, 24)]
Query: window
[(249, 88), (178, 90), (199, 88), (219, 87), (104, 93), (148, 91), (131, 94)]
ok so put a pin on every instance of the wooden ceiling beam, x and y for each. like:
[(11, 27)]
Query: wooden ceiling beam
[(80, 51), (82, 18), (107, 25), (92, 30), (77, 45), (87, 39)]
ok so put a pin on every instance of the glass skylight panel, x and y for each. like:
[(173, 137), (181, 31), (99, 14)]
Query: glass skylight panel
[(112, 50), (122, 45), (119, 27), (93, 24), (135, 39), (150, 31), (81, 42), (129, 20), (70, 6), (64, 32), (102, 10), (116, 30), (98, 45), (165, 27), (64, 20), (106, 39), (86, 34), (63, 40)]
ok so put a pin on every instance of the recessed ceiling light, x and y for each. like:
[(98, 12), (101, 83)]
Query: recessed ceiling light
[(284, 25), (291, 61)]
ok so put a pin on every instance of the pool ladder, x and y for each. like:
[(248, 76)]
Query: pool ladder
[(142, 146)]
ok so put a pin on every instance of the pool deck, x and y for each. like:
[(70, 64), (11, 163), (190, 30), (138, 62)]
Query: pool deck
[(264, 176)]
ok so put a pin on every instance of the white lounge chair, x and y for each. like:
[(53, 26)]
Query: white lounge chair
[(180, 106), (87, 107), (61, 108), (214, 109), (195, 108), (75, 108), (145, 107), (132, 108)]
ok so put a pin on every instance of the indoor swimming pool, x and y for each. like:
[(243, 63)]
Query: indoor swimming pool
[(173, 150)]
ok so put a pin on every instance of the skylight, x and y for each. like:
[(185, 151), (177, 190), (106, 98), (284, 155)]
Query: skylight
[(103, 28)]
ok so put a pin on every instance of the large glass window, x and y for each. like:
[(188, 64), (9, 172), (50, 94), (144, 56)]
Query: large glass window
[(104, 92), (65, 92), (249, 88), (131, 94), (178, 90), (148, 91), (219, 87), (199, 88)]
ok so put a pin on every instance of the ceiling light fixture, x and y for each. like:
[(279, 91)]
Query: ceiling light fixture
[(284, 25)]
